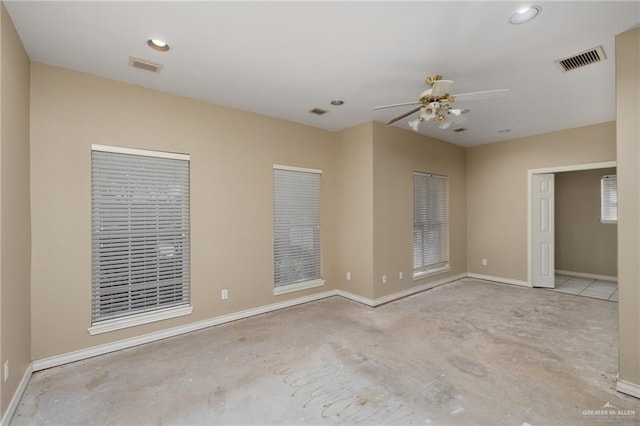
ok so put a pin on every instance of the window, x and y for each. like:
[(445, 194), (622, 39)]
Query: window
[(609, 199), (140, 236), (430, 224), (296, 229)]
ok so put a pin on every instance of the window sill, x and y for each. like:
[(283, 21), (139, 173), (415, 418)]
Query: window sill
[(139, 319), (609, 221), (297, 286), (425, 274)]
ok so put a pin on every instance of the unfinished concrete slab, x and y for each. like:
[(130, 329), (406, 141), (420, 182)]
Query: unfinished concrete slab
[(469, 352)]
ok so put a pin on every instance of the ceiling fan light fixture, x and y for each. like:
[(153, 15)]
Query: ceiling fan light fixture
[(157, 44), (525, 14), (414, 124)]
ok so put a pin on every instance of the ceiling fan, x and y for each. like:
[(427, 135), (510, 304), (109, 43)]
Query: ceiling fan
[(435, 104)]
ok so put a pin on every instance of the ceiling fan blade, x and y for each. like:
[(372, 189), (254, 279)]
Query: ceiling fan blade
[(474, 96), (405, 115), (441, 87), (396, 105)]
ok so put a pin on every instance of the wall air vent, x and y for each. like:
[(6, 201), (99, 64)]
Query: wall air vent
[(144, 65), (460, 129), (318, 111), (587, 57)]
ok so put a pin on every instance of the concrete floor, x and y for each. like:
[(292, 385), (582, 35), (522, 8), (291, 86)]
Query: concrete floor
[(469, 352)]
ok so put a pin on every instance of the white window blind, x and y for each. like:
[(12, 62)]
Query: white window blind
[(430, 223), (296, 226), (140, 233), (609, 199)]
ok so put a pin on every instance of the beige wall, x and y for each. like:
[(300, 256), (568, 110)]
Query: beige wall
[(582, 243), (628, 134), (397, 153), (355, 210), (497, 191), (15, 231), (232, 154)]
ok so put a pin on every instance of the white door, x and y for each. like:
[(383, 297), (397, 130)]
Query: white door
[(542, 232)]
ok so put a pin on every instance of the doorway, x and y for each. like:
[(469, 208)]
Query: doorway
[(541, 221)]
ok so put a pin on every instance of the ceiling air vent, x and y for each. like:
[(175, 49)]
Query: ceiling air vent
[(587, 57), (318, 111), (460, 129), (144, 65)]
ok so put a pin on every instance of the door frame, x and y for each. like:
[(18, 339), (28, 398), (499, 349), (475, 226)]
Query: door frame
[(556, 169)]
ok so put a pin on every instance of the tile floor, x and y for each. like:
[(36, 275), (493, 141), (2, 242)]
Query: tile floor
[(598, 289)]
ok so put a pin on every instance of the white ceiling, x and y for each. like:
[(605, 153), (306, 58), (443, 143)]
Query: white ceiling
[(282, 59)]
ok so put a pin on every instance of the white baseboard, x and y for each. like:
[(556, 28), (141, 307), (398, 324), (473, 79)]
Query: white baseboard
[(585, 275), (498, 279), (399, 294), (355, 297), (628, 388), (413, 290), (81, 354), (13, 404)]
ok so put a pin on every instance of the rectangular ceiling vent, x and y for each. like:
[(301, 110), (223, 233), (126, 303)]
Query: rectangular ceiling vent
[(144, 65), (460, 129), (318, 111), (587, 57)]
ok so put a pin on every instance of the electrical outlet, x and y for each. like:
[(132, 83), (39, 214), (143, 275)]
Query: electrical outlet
[(348, 276), (485, 262), (6, 371), (400, 275), (384, 279), (224, 294)]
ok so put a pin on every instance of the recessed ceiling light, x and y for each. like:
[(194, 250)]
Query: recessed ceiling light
[(525, 15), (158, 44), (337, 102)]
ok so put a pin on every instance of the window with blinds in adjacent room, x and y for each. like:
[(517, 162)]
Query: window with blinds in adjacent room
[(430, 224), (609, 199), (140, 232)]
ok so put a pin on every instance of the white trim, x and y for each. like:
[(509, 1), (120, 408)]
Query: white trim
[(355, 297), (139, 319), (143, 152), (609, 221), (498, 279), (586, 275), (424, 274), (296, 169), (413, 290), (628, 388), (288, 288), (574, 167), (78, 355), (15, 400), (399, 294), (556, 169)]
